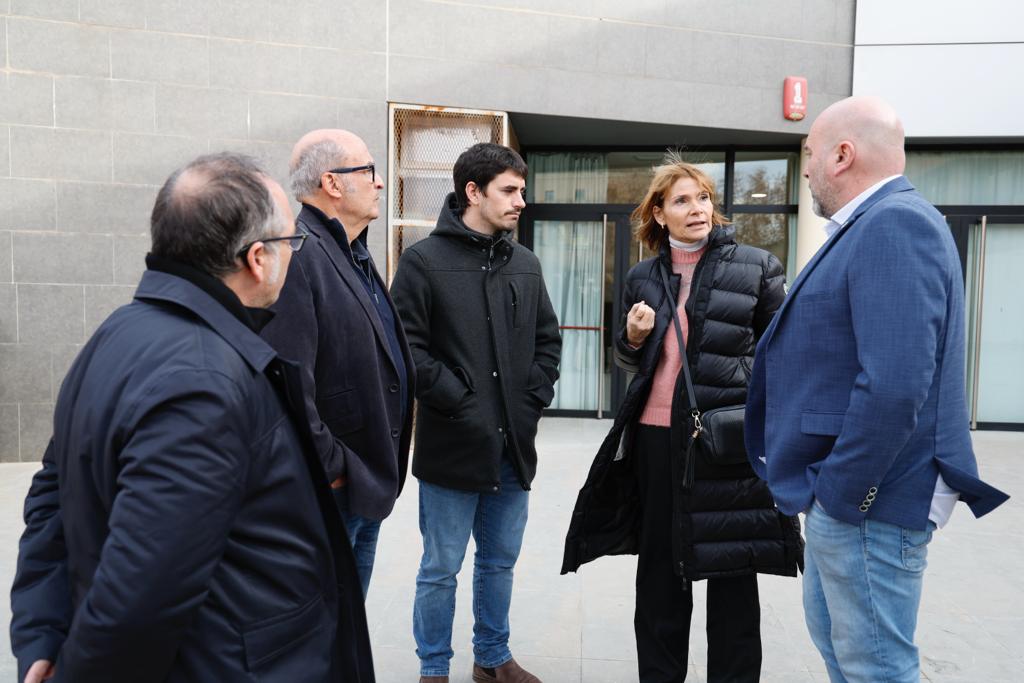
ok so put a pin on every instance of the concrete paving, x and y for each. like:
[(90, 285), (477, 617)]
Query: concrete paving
[(579, 628)]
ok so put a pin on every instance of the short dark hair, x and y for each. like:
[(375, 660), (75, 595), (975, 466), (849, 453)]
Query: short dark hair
[(481, 163), (209, 209)]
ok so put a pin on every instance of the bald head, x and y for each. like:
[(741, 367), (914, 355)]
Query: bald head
[(317, 152), (852, 145)]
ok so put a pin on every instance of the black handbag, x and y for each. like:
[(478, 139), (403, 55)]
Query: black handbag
[(718, 433)]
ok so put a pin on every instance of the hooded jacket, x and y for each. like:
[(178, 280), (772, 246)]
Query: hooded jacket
[(486, 346)]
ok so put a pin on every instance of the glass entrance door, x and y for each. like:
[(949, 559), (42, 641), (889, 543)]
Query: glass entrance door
[(995, 321), (583, 261)]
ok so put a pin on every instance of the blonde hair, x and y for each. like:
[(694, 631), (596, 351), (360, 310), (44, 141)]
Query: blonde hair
[(672, 169)]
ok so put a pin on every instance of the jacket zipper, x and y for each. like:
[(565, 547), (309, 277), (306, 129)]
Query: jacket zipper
[(510, 439)]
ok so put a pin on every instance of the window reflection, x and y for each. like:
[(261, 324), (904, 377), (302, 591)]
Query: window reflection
[(605, 178), (766, 178), (768, 231)]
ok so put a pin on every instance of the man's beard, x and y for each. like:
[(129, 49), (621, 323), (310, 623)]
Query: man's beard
[(823, 204)]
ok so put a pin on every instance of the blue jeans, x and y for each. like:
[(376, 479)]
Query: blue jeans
[(362, 534), (497, 522), (862, 588)]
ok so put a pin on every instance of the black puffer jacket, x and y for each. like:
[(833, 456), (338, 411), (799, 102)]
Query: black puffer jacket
[(485, 341), (727, 525)]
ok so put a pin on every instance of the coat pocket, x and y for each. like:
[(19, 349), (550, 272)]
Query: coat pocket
[(823, 424), (341, 411), (516, 304), (267, 639)]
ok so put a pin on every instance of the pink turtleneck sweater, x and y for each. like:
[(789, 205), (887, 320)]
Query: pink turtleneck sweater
[(658, 411)]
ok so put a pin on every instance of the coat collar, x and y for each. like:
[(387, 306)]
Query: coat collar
[(160, 286)]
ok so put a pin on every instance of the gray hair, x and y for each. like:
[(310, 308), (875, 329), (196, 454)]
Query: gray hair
[(210, 209), (310, 165)]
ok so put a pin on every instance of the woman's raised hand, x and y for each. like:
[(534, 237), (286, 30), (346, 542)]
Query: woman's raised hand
[(639, 323)]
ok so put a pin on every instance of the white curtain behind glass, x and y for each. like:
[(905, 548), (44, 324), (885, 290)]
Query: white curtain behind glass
[(568, 178), (570, 254), (968, 177)]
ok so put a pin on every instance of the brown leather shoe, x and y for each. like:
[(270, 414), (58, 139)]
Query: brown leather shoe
[(509, 672), (433, 679)]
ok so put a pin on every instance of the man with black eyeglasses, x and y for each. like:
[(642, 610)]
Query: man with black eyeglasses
[(180, 528), (335, 317)]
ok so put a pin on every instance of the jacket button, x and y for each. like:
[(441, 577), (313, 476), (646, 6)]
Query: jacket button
[(395, 433), (863, 508), (873, 490), (501, 429), (393, 388), (495, 373), (483, 267), (494, 488)]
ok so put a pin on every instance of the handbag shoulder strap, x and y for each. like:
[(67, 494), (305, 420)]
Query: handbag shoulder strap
[(673, 305)]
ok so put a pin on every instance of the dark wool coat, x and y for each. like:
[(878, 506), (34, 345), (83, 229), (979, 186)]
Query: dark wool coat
[(727, 525), (486, 345), (326, 321), (181, 528)]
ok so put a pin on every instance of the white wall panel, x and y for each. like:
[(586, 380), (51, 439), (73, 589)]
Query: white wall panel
[(885, 22), (947, 90)]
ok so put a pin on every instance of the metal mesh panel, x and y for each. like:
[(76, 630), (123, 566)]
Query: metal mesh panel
[(426, 142)]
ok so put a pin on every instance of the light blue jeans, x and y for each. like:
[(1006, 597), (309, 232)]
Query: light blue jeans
[(497, 522), (862, 587), (362, 534)]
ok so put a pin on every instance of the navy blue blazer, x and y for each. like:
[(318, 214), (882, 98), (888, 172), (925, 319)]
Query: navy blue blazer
[(326, 321), (857, 395)]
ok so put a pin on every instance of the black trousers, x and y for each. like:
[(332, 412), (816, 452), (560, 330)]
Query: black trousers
[(664, 602)]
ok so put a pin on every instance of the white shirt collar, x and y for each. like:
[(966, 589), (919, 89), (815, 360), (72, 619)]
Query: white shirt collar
[(842, 215)]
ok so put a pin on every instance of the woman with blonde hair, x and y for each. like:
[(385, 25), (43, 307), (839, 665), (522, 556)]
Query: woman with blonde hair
[(688, 510)]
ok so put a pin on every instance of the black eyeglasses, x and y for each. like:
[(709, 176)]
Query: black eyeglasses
[(295, 242), (354, 169)]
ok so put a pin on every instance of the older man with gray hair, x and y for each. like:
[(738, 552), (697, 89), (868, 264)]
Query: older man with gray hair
[(335, 317)]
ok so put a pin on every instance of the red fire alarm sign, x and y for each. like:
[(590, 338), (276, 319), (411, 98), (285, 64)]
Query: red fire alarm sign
[(794, 98)]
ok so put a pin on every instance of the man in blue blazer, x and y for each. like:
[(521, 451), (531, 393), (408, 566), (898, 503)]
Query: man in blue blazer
[(856, 412)]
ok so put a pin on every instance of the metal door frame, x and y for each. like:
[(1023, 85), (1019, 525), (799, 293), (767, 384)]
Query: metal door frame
[(961, 220)]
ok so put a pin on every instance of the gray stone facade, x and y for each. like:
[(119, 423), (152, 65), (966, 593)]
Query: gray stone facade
[(101, 99)]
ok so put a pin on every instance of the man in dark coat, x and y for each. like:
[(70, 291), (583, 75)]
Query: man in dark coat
[(181, 528), (486, 346), (336, 319)]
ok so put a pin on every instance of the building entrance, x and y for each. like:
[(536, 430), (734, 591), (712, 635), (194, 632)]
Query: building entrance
[(992, 253), (585, 252)]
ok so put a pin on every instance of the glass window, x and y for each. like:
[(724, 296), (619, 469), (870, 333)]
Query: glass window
[(768, 231), (766, 178), (604, 178), (968, 177)]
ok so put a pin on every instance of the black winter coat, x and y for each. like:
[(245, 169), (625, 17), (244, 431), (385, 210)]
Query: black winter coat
[(486, 345), (727, 525), (181, 528)]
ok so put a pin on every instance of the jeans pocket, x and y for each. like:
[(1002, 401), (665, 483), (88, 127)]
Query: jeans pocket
[(915, 549)]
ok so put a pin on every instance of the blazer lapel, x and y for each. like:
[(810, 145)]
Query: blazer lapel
[(900, 184), (348, 275)]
